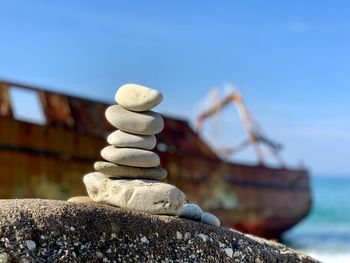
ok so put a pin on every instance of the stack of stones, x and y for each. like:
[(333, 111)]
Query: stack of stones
[(130, 177)]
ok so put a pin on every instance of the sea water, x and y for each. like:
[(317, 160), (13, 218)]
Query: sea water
[(325, 233)]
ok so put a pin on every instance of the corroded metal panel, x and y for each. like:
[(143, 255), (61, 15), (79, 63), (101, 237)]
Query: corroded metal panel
[(5, 102), (57, 109)]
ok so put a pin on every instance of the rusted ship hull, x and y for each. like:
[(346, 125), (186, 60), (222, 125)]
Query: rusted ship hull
[(48, 161)]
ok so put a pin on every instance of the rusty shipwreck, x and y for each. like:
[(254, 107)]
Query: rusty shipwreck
[(48, 160)]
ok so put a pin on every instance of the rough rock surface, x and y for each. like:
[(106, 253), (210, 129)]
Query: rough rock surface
[(143, 123), (139, 195), (58, 231), (130, 157), (119, 138), (121, 171), (137, 98)]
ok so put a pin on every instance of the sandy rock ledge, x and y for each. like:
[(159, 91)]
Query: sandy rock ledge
[(58, 231)]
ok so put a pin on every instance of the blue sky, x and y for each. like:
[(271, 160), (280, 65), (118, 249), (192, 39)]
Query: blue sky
[(290, 60)]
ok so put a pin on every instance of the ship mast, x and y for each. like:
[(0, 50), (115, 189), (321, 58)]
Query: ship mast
[(255, 135)]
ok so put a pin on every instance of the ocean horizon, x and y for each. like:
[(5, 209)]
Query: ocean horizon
[(325, 233)]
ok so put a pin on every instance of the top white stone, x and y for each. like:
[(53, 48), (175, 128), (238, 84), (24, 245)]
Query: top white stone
[(137, 98)]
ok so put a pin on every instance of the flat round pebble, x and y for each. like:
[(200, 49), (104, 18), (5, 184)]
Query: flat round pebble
[(123, 139), (130, 157), (119, 171), (210, 219), (145, 123), (137, 98), (191, 211)]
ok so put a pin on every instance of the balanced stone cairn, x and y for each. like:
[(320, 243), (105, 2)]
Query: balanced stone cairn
[(130, 177)]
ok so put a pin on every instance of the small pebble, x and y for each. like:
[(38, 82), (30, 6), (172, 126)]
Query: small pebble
[(137, 98), (210, 219), (130, 157), (191, 211), (31, 245), (229, 252), (178, 235), (99, 254), (144, 239), (122, 171), (145, 123), (119, 138), (4, 258)]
